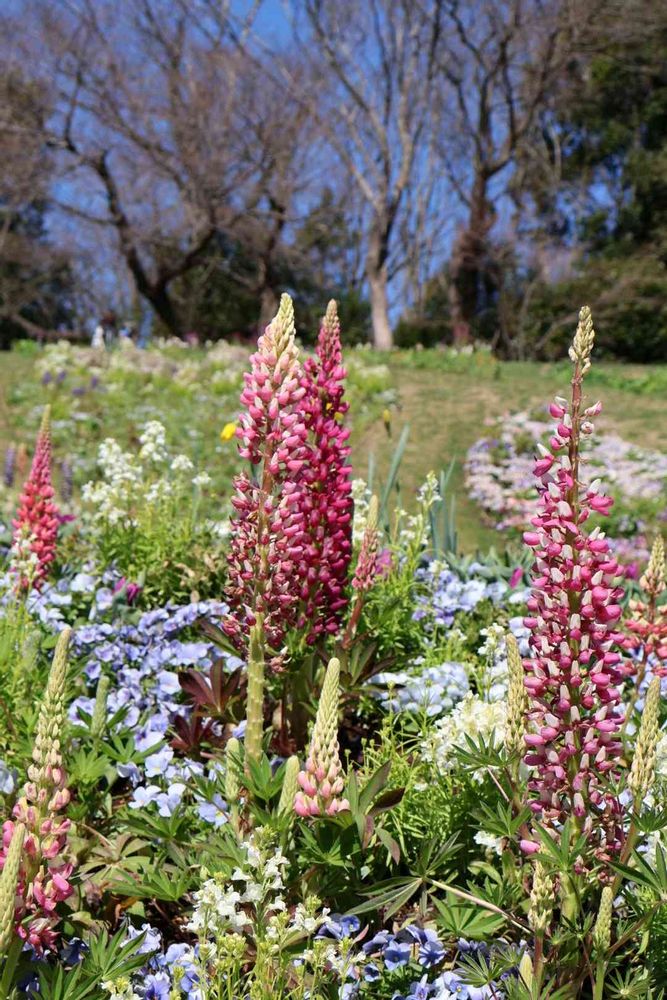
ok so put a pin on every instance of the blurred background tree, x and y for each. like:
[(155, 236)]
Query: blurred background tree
[(449, 171)]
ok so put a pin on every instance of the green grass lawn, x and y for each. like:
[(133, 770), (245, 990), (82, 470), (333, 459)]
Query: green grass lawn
[(448, 403), (448, 407)]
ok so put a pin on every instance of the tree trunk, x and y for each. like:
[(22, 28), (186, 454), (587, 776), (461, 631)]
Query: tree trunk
[(383, 338), (268, 306), (158, 296), (467, 264), (461, 333)]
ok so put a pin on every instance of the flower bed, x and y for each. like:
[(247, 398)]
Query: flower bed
[(499, 478), (306, 756)]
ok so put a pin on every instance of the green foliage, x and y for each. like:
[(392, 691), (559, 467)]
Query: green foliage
[(23, 671), (108, 959)]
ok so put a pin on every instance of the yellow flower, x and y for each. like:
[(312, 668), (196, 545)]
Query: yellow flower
[(228, 432)]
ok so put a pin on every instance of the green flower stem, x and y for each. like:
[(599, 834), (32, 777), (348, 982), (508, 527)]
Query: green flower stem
[(255, 698), (598, 989), (10, 967)]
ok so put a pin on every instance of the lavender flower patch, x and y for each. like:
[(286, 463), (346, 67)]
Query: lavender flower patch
[(499, 471)]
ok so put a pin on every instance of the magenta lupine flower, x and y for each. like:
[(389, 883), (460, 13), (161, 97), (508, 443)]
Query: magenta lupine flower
[(326, 500), (268, 535), (573, 678), (37, 519), (131, 590), (366, 570)]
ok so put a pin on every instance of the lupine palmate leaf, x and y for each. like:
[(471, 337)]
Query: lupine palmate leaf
[(390, 896), (651, 820), (641, 872), (632, 984), (107, 959), (500, 820), (480, 753), (462, 920), (562, 852), (168, 885)]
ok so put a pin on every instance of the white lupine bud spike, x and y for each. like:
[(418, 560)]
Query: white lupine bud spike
[(8, 883), (602, 929), (517, 698), (582, 345), (653, 580), (642, 772), (541, 900), (290, 786)]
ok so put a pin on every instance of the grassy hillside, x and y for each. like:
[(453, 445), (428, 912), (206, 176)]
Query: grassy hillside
[(448, 403)]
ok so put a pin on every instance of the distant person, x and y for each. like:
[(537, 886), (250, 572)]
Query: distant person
[(109, 324), (145, 330), (98, 340)]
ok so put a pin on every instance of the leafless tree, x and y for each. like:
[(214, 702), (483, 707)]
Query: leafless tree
[(32, 270), (167, 133), (377, 61), (498, 65)]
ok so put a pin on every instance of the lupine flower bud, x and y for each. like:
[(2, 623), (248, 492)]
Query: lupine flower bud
[(8, 887), (517, 698), (43, 876), (366, 568), (99, 717), (653, 580), (232, 776), (602, 929), (290, 786), (51, 719), (642, 772), (541, 900), (582, 345), (322, 780), (37, 519), (647, 625), (255, 697)]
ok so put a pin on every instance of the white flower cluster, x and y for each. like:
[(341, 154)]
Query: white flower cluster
[(131, 482), (251, 900), (472, 717), (64, 356), (153, 440), (361, 496), (429, 492), (491, 843), (219, 904), (24, 561), (411, 528), (120, 989)]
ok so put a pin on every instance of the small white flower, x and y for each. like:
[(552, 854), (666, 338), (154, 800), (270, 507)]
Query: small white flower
[(201, 479), (494, 844), (181, 464)]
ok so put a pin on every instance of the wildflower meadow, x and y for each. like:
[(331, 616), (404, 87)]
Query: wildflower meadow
[(270, 731)]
